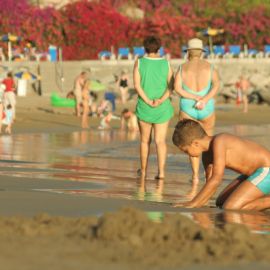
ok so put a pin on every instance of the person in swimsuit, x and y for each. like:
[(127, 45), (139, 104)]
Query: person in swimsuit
[(129, 120), (123, 86), (197, 82), (249, 191), (85, 105), (78, 88), (152, 76), (244, 86), (2, 90)]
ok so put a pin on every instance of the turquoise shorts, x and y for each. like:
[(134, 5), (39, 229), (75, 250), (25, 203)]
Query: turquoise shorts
[(261, 179)]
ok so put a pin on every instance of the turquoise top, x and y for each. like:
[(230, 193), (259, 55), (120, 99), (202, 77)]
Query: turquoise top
[(154, 75), (188, 105)]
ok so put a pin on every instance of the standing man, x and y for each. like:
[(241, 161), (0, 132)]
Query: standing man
[(78, 88)]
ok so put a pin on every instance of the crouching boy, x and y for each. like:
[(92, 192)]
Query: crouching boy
[(248, 191)]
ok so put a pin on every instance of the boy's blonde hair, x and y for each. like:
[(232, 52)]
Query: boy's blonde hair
[(186, 131)]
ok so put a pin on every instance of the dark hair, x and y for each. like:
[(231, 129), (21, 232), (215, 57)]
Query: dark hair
[(10, 75), (152, 44), (9, 106), (93, 95), (186, 131), (125, 111)]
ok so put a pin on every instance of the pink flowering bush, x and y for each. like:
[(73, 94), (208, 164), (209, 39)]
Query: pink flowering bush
[(84, 28)]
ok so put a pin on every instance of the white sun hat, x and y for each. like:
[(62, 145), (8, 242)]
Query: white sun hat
[(195, 43)]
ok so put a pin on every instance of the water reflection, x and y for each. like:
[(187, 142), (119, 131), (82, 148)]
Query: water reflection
[(257, 222), (110, 159)]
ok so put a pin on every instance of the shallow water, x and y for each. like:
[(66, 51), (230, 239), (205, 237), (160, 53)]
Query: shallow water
[(109, 160)]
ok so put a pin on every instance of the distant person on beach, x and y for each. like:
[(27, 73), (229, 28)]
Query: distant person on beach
[(85, 105), (93, 103), (78, 88), (197, 82), (10, 93), (129, 120), (8, 118), (123, 83), (106, 120), (152, 76), (249, 191), (2, 90), (244, 86)]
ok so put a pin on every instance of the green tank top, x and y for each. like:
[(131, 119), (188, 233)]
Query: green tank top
[(154, 74)]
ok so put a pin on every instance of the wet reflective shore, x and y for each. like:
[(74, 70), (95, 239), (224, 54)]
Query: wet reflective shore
[(108, 160)]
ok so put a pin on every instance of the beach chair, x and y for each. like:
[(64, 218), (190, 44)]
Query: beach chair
[(123, 53), (206, 52), (252, 53), (266, 50), (161, 51), (138, 52), (234, 50), (219, 51), (104, 55)]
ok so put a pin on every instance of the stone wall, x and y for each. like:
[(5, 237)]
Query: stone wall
[(258, 70)]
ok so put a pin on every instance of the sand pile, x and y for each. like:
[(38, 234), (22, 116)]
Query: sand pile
[(126, 237)]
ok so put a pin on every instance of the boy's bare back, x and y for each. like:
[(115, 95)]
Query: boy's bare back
[(238, 154)]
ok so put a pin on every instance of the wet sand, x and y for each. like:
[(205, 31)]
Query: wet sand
[(50, 165)]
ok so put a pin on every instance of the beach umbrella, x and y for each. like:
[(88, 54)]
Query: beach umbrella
[(96, 86), (25, 75), (9, 38), (211, 32)]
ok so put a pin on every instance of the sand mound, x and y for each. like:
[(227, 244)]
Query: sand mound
[(124, 237)]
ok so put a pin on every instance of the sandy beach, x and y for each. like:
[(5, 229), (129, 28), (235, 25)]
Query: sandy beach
[(62, 189)]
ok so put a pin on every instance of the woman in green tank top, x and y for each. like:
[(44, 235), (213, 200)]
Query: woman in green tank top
[(152, 75)]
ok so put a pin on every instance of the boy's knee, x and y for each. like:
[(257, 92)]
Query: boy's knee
[(231, 206)]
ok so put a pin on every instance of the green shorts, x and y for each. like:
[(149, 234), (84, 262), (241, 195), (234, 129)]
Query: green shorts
[(261, 179)]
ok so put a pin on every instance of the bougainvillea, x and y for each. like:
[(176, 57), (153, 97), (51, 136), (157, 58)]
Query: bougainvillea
[(84, 28)]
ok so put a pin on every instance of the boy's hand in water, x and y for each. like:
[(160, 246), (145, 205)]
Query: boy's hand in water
[(184, 205)]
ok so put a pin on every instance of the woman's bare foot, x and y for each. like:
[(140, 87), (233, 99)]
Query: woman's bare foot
[(141, 173), (195, 180), (159, 177)]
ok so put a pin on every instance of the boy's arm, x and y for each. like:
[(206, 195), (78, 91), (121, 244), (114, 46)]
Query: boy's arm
[(137, 85), (214, 175)]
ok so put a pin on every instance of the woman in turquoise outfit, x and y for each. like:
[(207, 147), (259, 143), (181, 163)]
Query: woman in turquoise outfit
[(197, 82), (152, 75)]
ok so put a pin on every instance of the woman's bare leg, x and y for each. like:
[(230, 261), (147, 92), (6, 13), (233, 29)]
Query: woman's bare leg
[(160, 140), (245, 104), (209, 124), (194, 161), (145, 132)]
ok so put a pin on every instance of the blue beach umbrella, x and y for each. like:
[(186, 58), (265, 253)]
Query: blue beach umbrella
[(211, 32), (9, 38), (25, 75)]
